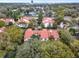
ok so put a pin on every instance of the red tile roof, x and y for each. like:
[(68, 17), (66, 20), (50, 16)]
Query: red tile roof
[(25, 19), (7, 20), (28, 33), (54, 34), (48, 20), (36, 32), (44, 33)]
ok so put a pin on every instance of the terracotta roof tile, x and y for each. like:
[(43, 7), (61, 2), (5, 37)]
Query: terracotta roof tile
[(7, 20), (28, 33), (48, 20), (54, 34), (44, 33)]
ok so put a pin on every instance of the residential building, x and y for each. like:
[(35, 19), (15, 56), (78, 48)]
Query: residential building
[(44, 34)]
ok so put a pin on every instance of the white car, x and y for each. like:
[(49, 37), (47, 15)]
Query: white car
[(21, 25)]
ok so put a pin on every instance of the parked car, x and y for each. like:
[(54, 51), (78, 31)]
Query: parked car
[(22, 25)]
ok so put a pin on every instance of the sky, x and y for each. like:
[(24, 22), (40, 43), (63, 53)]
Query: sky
[(39, 1)]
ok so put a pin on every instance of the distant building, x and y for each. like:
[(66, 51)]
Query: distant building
[(64, 25), (68, 18), (8, 20), (32, 13), (26, 19), (23, 22)]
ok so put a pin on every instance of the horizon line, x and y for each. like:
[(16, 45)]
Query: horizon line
[(40, 3)]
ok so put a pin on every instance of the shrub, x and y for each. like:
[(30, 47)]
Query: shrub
[(49, 26), (10, 23), (55, 49), (72, 31), (54, 26), (42, 25), (35, 37), (2, 23)]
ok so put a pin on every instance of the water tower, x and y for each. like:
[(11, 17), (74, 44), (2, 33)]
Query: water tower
[(32, 1)]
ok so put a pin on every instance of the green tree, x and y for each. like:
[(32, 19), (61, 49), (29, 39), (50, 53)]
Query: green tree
[(33, 23), (40, 17), (4, 41), (30, 49), (55, 26), (55, 49), (16, 34), (66, 37), (2, 53), (73, 43), (47, 49), (75, 47), (5, 44), (2, 23), (13, 14), (16, 39), (59, 14), (72, 31)]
